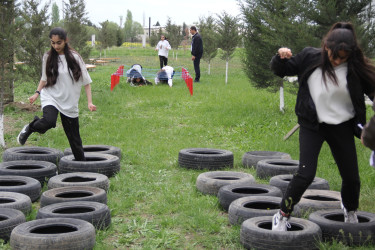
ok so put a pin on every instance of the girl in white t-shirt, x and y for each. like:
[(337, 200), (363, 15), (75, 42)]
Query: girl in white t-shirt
[(163, 47), (63, 75)]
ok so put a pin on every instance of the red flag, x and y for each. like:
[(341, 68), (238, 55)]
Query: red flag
[(188, 80), (190, 85)]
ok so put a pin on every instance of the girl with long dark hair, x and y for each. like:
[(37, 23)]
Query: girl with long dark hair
[(330, 107), (64, 73)]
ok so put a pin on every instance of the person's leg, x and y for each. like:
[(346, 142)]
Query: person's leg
[(71, 128), (165, 61), (310, 143), (47, 122), (197, 69), (340, 138), (161, 61)]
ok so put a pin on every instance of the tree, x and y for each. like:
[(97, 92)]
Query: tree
[(108, 34), (174, 34), (34, 36), (7, 45), (207, 29), (55, 14), (75, 20), (228, 31), (131, 29)]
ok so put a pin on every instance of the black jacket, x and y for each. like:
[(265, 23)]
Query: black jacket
[(197, 46), (303, 65)]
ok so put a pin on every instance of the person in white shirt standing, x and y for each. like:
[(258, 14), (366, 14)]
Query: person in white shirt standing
[(163, 47), (63, 75)]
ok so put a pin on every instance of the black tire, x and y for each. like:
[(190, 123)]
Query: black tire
[(256, 233), (227, 194), (33, 153), (101, 149), (334, 228), (79, 179), (271, 167), (251, 158), (205, 158), (252, 206), (313, 200), (39, 170), (65, 194), (282, 181), (16, 201), (21, 184), (105, 164), (96, 213), (9, 219), (211, 182), (53, 233)]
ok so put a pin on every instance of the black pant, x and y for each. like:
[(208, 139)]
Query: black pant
[(163, 61), (70, 125), (340, 139), (197, 70)]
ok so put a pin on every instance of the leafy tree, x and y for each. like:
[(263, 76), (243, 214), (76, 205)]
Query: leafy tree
[(108, 34), (55, 14), (228, 32), (128, 26), (75, 20), (8, 12), (207, 29), (174, 34), (155, 37), (34, 36)]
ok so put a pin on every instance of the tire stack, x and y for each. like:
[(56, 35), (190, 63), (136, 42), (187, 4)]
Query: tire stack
[(74, 204), (250, 204)]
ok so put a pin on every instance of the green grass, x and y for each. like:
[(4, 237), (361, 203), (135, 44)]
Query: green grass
[(154, 203)]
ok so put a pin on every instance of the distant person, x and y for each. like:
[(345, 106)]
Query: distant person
[(330, 108), (163, 47), (134, 76), (63, 75), (165, 75), (196, 52)]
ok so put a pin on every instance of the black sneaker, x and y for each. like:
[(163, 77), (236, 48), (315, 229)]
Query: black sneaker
[(24, 134), (196, 80)]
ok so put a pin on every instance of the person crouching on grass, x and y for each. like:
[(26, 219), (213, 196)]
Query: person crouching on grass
[(330, 107), (63, 75)]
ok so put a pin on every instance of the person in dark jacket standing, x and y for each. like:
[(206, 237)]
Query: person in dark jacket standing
[(330, 107), (196, 51)]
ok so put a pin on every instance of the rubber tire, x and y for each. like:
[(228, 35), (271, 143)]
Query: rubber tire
[(256, 233), (101, 149), (9, 219), (65, 194), (271, 167), (105, 164), (39, 170), (98, 214), (17, 201), (21, 184), (282, 181), (333, 227), (251, 158), (33, 153), (205, 158), (313, 200), (227, 194), (79, 179), (53, 233), (211, 182), (252, 206)]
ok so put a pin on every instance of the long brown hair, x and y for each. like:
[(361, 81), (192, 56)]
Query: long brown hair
[(52, 71), (342, 36)]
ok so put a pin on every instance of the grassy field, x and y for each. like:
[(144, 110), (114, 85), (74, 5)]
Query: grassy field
[(154, 203)]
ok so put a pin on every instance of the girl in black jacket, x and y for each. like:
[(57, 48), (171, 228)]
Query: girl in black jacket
[(330, 107)]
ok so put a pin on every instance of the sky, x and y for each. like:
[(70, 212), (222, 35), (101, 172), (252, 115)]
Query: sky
[(188, 11)]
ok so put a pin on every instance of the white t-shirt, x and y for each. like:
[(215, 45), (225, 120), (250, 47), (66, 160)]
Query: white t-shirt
[(169, 71), (165, 47), (64, 95), (333, 103)]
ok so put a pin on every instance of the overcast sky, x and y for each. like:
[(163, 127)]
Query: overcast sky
[(179, 11)]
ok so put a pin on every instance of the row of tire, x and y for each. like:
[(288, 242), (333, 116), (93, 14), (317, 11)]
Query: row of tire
[(252, 205), (72, 208)]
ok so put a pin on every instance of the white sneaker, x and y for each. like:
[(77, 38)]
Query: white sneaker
[(280, 222), (349, 217)]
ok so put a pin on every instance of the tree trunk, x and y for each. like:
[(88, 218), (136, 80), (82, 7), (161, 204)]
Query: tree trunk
[(282, 97), (226, 72), (209, 68)]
